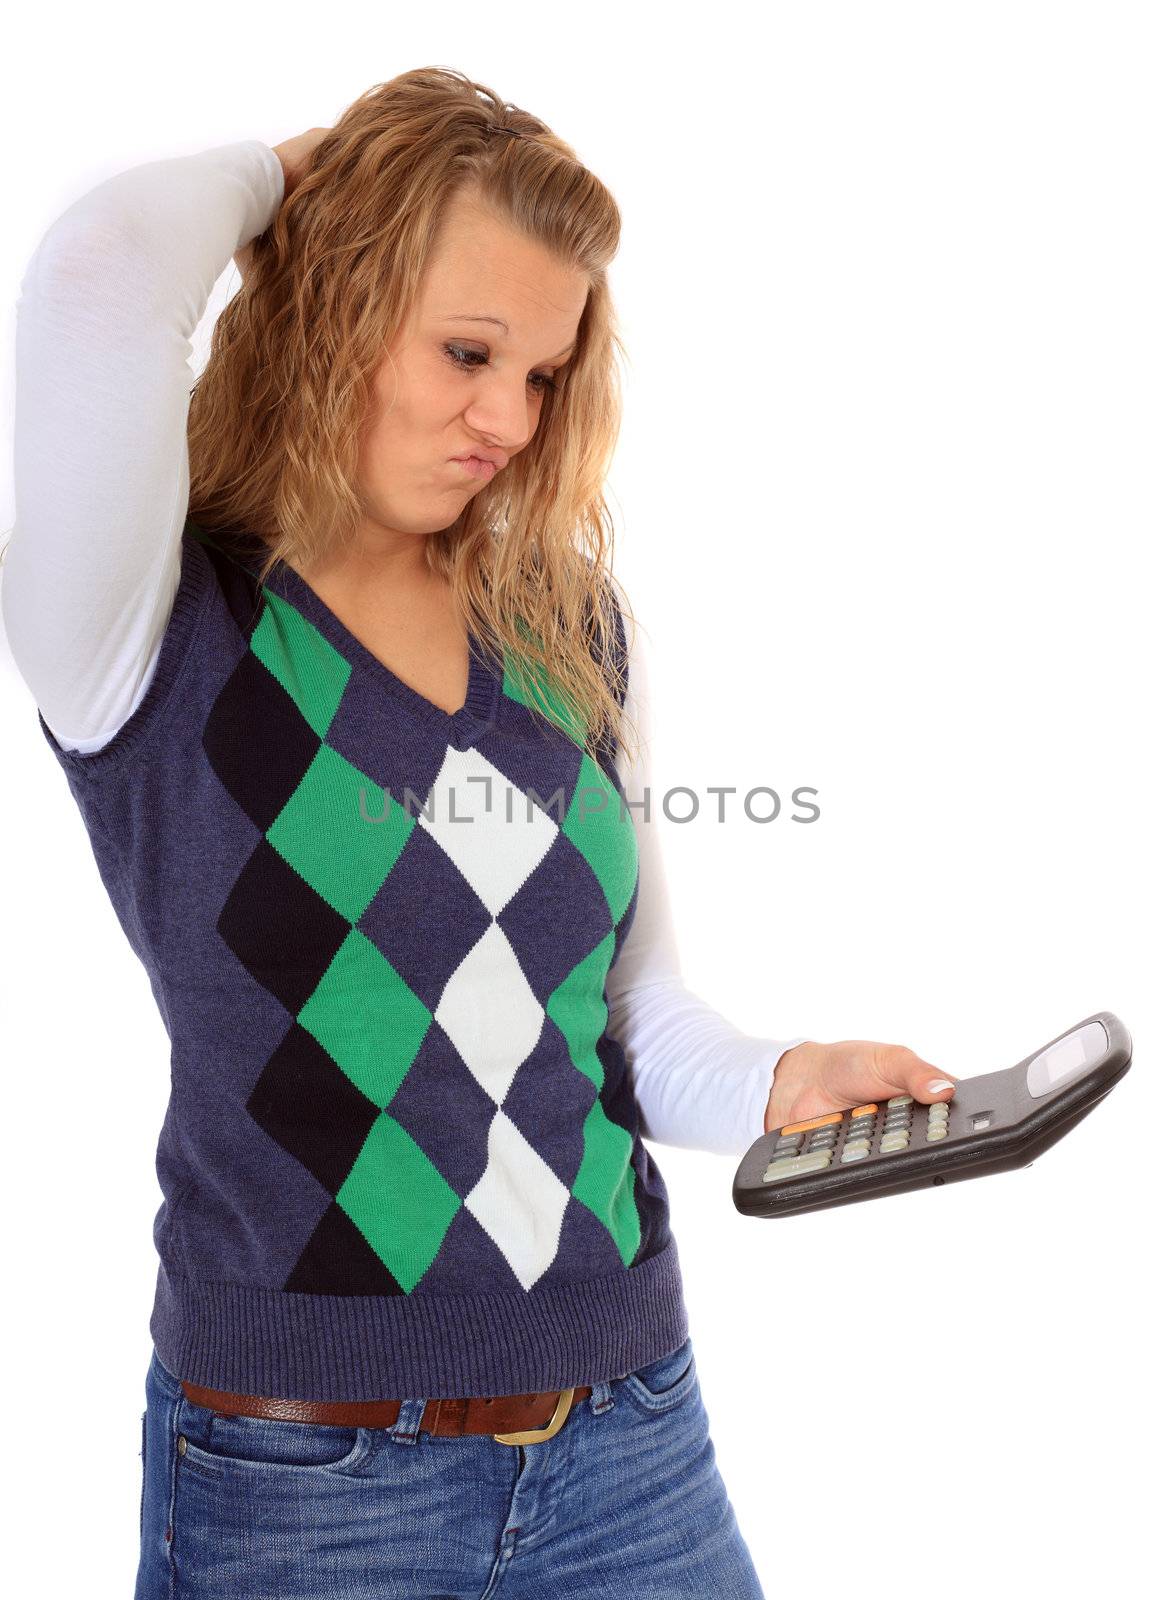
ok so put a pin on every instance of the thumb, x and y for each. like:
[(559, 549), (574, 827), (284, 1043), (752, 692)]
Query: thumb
[(915, 1075)]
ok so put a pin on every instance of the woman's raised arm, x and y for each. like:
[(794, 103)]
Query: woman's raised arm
[(109, 303)]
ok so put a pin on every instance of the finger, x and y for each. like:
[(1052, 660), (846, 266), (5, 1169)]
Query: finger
[(917, 1076)]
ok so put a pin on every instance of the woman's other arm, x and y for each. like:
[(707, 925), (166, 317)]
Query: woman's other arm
[(109, 304), (700, 1082)]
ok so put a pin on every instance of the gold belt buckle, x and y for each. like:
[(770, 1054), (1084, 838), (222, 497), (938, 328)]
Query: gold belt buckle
[(536, 1435)]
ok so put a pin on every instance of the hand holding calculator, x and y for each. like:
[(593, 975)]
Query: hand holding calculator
[(991, 1123)]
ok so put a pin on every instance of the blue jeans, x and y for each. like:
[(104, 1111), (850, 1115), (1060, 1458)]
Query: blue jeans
[(626, 1500)]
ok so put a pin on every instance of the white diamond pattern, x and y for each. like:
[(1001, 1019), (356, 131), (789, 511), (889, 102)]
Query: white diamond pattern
[(490, 1013), (519, 1202), (486, 825), (495, 837)]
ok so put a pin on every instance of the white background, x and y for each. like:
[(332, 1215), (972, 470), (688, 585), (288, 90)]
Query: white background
[(893, 503)]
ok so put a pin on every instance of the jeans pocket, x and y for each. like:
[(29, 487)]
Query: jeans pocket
[(663, 1384), (217, 1443)]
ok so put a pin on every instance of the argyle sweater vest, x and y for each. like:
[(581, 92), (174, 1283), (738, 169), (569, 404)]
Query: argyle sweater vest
[(401, 1155)]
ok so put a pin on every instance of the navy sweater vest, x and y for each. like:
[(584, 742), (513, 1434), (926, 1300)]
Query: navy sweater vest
[(401, 1155)]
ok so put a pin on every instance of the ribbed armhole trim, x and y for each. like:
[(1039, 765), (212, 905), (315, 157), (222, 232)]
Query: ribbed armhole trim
[(191, 599)]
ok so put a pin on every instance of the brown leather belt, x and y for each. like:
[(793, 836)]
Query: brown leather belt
[(510, 1418)]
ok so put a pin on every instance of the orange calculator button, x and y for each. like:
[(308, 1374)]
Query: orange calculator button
[(865, 1111), (814, 1122)]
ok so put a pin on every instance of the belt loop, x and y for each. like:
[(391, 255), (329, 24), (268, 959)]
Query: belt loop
[(601, 1398), (406, 1425)]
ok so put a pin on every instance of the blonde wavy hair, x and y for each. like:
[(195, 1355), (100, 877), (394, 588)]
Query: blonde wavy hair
[(276, 416)]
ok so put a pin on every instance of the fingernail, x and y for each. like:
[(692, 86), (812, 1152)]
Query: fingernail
[(940, 1085)]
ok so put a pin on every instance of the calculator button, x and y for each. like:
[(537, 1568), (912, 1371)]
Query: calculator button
[(813, 1122), (864, 1111), (900, 1100), (938, 1132), (796, 1168), (894, 1141), (854, 1152)]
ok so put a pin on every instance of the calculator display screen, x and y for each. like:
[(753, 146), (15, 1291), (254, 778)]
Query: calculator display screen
[(1066, 1058)]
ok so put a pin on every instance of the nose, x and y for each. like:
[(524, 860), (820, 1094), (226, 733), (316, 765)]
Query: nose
[(501, 415)]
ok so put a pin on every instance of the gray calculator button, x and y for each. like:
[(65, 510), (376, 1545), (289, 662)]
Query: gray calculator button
[(938, 1132), (864, 1144), (900, 1100), (854, 1152), (898, 1141), (938, 1108), (806, 1163), (797, 1168)]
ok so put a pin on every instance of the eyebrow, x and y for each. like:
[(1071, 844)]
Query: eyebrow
[(499, 322)]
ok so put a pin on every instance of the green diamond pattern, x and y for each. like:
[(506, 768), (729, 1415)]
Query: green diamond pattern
[(302, 660), (368, 1019), (611, 852), (399, 1201), (323, 835), (606, 1180)]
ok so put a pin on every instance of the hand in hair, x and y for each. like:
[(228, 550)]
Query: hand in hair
[(293, 155)]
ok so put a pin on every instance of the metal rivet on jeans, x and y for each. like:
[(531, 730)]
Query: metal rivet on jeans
[(181, 1445)]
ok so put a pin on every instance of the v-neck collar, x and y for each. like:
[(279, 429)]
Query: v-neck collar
[(460, 727)]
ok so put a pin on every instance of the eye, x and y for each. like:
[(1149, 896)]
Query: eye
[(469, 359)]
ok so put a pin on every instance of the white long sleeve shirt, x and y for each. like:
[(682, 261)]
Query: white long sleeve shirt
[(109, 305)]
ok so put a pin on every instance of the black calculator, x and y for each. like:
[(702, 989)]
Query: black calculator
[(992, 1123)]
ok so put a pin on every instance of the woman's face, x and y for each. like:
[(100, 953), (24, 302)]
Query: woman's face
[(494, 322)]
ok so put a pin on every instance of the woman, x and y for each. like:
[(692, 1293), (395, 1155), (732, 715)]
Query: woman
[(329, 655)]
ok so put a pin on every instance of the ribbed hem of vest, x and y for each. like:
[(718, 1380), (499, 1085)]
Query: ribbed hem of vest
[(191, 597), (419, 1346)]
